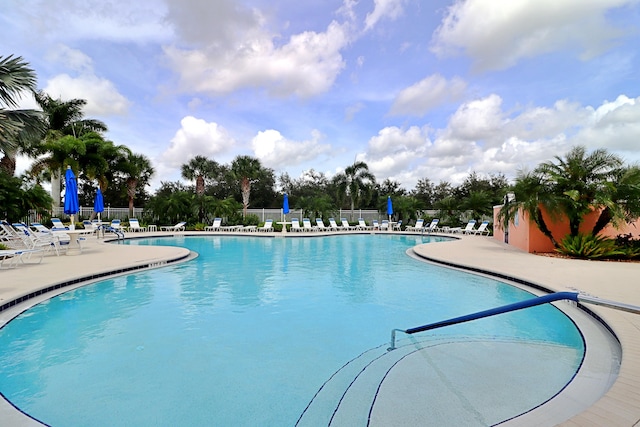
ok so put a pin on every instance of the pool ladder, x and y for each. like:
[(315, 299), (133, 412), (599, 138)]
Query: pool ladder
[(572, 296)]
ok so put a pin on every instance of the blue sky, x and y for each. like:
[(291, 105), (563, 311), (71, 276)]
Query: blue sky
[(416, 89)]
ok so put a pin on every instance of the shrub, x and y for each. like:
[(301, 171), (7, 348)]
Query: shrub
[(629, 245), (251, 219), (590, 247)]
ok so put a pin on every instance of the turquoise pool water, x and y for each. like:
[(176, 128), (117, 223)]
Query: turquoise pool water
[(248, 332)]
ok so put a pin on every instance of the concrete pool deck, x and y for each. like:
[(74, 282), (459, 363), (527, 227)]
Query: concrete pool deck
[(620, 406)]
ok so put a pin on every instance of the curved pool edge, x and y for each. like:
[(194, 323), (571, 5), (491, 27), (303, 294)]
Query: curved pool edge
[(607, 280), (616, 407), (29, 284)]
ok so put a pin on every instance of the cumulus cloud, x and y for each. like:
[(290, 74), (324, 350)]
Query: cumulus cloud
[(394, 150), (276, 151), (306, 65), (390, 9), (481, 136), (196, 137), (479, 119), (102, 96), (614, 125), (497, 35), (430, 92)]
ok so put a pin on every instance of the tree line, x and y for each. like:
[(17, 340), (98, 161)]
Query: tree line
[(58, 135)]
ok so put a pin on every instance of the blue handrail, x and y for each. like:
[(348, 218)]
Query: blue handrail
[(573, 296)]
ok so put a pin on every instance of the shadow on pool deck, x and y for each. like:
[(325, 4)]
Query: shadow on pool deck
[(608, 280)]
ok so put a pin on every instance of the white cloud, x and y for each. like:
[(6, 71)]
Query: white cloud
[(95, 20), (427, 94), (277, 152), (394, 150), (306, 65), (390, 9), (196, 137), (103, 99), (614, 125), (480, 119), (483, 137), (497, 34), (102, 96)]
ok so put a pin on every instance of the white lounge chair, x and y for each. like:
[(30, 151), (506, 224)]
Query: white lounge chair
[(178, 227), (31, 240), (306, 224), (333, 226), (433, 226), (469, 227), (375, 225), (320, 225), (417, 227), (384, 225), (58, 225), (482, 229), (397, 226), (362, 225), (295, 225), (345, 225), (12, 257), (134, 225), (268, 226), (217, 223)]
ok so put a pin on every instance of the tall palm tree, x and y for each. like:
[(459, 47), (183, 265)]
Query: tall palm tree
[(246, 170), (64, 118), (101, 158), (137, 170), (19, 128), (200, 168), (354, 182)]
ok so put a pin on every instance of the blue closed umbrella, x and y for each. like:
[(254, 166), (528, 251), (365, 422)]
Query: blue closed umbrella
[(98, 204), (389, 207), (285, 204), (71, 204)]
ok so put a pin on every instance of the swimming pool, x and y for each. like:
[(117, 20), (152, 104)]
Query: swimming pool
[(249, 331)]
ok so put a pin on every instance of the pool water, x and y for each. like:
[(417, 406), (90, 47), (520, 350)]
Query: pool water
[(246, 333)]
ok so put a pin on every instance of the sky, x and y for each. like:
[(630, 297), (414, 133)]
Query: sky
[(415, 89)]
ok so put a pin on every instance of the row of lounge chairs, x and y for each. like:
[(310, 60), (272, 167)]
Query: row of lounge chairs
[(25, 244), (433, 227)]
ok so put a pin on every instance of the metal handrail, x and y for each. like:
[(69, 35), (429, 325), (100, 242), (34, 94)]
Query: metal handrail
[(573, 296)]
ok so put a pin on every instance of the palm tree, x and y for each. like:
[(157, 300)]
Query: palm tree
[(531, 194), (478, 202), (19, 128), (137, 170), (574, 186), (64, 118), (582, 179), (101, 158), (246, 170), (200, 168), (354, 182), (620, 199)]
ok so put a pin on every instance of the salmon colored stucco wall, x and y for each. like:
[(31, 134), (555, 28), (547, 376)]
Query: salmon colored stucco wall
[(524, 234)]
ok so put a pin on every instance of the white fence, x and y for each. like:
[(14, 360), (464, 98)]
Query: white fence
[(278, 215)]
